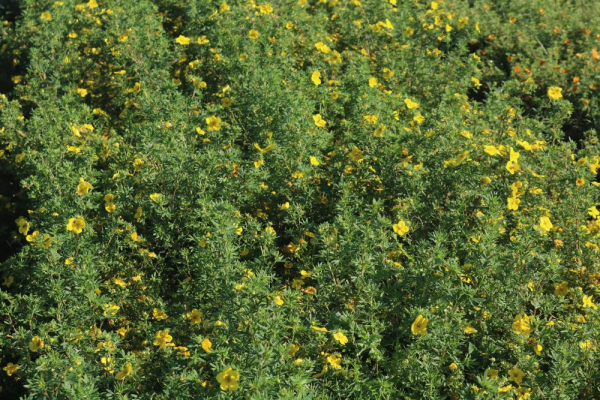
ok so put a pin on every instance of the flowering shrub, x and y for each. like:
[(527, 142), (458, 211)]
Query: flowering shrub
[(299, 199)]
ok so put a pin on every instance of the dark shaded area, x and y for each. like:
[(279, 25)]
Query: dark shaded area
[(12, 200), (577, 127), (12, 204), (10, 12)]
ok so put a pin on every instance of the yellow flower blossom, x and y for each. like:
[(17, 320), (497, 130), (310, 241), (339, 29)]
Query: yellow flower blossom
[(588, 301), (182, 40), (163, 339), (11, 368), (516, 375), (545, 224), (401, 228), (316, 78), (319, 121), (83, 187), (36, 344), (76, 225), (159, 315), (125, 372), (411, 104), (340, 337), (522, 324), (213, 123), (206, 345), (555, 93), (194, 316), (469, 330), (228, 379), (335, 361), (419, 326)]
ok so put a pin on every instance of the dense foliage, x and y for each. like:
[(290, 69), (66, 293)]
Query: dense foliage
[(299, 199)]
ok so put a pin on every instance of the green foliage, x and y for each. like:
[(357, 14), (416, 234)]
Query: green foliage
[(302, 199)]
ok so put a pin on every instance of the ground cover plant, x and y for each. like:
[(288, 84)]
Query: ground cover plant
[(299, 199)]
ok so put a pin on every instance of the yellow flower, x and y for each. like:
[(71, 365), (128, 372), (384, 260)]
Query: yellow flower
[(36, 343), (538, 349), (491, 150), (213, 123), (159, 315), (23, 225), (163, 339), (206, 345), (228, 378), (82, 92), (253, 34), (322, 47), (513, 203), (545, 224), (76, 225), (419, 327), (319, 121), (278, 300), (522, 324), (314, 162), (109, 205), (387, 73), (453, 367), (560, 289), (505, 389), (340, 337), (125, 372), (111, 309), (373, 82), (335, 361), (182, 40), (411, 104), (379, 131), (293, 349), (83, 187), (512, 166), (588, 301), (587, 345), (401, 228), (555, 93), (468, 329), (137, 164), (11, 368), (516, 375), (319, 329), (46, 16), (523, 393), (156, 197), (476, 81), (316, 78), (194, 316), (356, 154)]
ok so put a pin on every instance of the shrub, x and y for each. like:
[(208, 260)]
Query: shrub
[(299, 199)]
